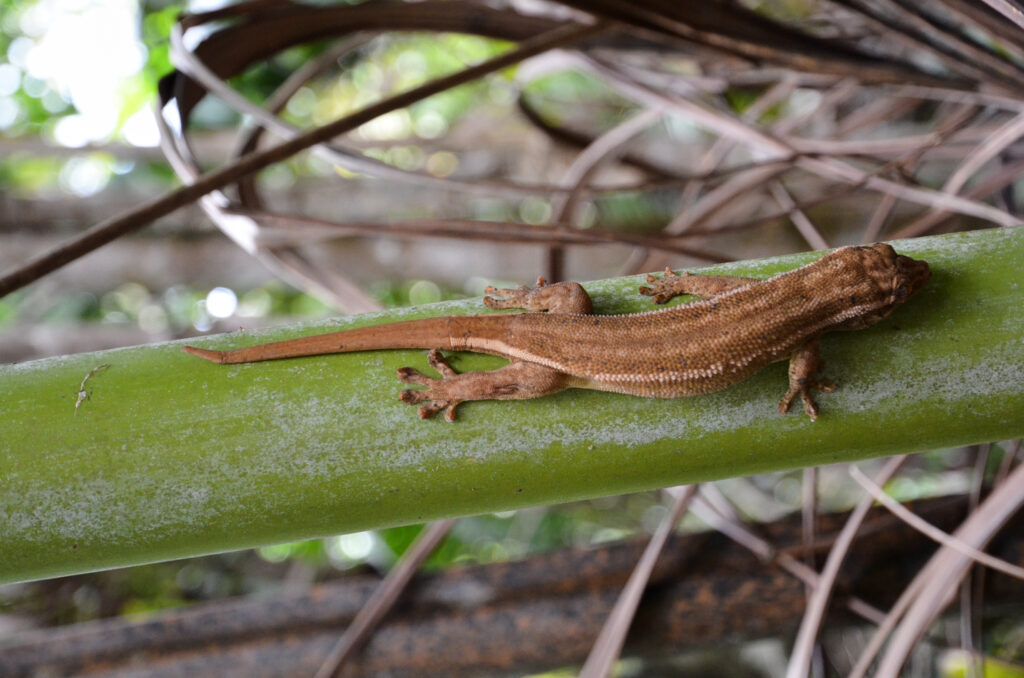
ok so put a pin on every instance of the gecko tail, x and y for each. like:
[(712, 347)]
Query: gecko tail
[(213, 356), (427, 333)]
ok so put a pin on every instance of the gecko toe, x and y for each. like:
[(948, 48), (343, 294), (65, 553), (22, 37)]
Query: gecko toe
[(411, 397), (656, 295), (803, 389), (438, 362), (428, 409), (662, 290), (410, 375), (810, 407)]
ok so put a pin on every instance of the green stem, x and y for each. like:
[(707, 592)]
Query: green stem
[(171, 456)]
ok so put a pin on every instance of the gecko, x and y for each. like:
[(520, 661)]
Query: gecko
[(737, 327)]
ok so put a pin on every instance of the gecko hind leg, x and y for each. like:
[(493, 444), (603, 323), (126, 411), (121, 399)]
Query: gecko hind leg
[(563, 297), (516, 381), (803, 365), (703, 286)]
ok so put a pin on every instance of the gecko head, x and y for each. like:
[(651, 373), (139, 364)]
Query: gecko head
[(885, 280), (902, 276)]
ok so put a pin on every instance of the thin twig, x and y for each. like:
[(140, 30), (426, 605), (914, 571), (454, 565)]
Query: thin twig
[(803, 648), (1007, 463), (298, 228), (809, 515), (972, 587), (885, 627), (342, 156), (990, 148), (609, 642), (930, 531), (832, 168), (1007, 9), (937, 582), (726, 195), (811, 235), (709, 161), (384, 597), (746, 538), (577, 176), (249, 135), (579, 173), (961, 114), (994, 182)]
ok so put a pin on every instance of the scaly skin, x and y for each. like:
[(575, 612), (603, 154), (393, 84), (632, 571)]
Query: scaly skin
[(740, 326)]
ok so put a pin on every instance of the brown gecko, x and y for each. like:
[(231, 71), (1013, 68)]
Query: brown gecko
[(740, 326)]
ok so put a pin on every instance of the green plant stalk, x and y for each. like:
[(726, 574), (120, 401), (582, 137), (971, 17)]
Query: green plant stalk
[(172, 456)]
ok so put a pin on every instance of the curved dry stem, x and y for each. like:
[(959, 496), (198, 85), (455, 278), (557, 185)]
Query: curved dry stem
[(350, 159), (579, 173), (384, 597), (811, 235), (768, 144), (924, 527), (803, 648), (927, 223), (929, 593), (1007, 9), (990, 148), (600, 150), (610, 641)]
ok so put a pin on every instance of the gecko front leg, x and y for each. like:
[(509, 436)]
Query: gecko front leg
[(704, 286), (803, 365), (516, 381)]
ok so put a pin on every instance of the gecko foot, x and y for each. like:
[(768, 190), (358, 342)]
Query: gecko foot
[(665, 288), (515, 297), (516, 381), (803, 388), (437, 396), (563, 297)]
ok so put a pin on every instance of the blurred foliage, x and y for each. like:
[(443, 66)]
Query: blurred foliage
[(382, 67), (960, 664), (572, 98), (407, 138), (183, 310), (34, 108)]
